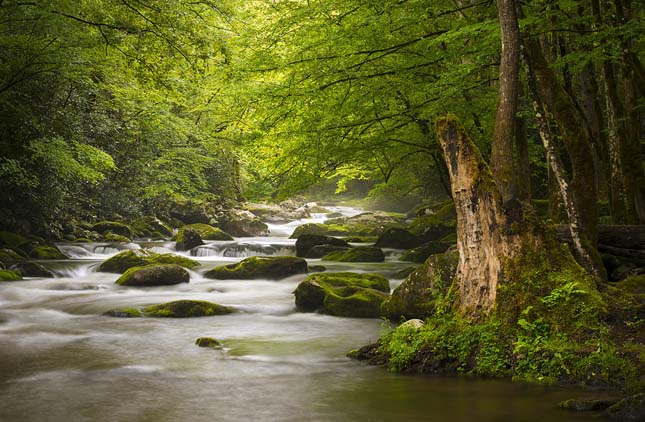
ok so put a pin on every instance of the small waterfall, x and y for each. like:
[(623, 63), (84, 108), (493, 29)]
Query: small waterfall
[(73, 270), (242, 250), (75, 251)]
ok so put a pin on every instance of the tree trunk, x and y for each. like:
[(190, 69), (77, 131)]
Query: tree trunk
[(482, 240), (574, 135), (504, 130), (523, 162)]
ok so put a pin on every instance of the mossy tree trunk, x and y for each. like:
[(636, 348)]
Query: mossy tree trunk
[(485, 239)]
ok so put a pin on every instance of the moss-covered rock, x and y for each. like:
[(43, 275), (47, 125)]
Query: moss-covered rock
[(317, 268), (208, 342), (205, 232), (357, 254), (113, 237), (32, 269), (154, 275), (306, 242), (421, 253), (320, 229), (631, 408), (186, 309), (150, 226), (396, 237), (142, 257), (429, 227), (416, 296), (46, 252), (361, 239), (124, 313), (342, 294), (9, 256), (271, 267), (243, 223), (9, 275), (585, 405), (320, 251), (188, 239), (113, 227), (403, 273)]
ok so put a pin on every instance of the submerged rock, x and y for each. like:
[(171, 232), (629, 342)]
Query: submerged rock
[(124, 313), (357, 254), (154, 275), (271, 267), (122, 261), (414, 298), (631, 408), (208, 342), (306, 242), (32, 269), (585, 405), (186, 309), (46, 252), (342, 294)]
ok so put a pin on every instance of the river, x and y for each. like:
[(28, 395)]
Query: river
[(61, 360)]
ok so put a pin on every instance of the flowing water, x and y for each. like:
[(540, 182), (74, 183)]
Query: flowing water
[(61, 360)]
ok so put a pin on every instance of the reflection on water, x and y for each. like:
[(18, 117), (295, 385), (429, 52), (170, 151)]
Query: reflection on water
[(60, 360)]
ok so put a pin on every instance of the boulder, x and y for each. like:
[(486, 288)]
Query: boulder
[(9, 275), (122, 261), (342, 294), (396, 237), (429, 227), (112, 237), (46, 252), (188, 239), (205, 232), (114, 227), (150, 226), (154, 275), (414, 298), (271, 267), (307, 241), (320, 229), (421, 253), (320, 251), (186, 309), (585, 405), (32, 269), (403, 273), (190, 212), (242, 223), (413, 324), (317, 268), (631, 408), (124, 313), (357, 254), (8, 257), (208, 342), (361, 239)]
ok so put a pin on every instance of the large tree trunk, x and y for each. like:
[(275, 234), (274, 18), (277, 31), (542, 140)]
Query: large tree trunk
[(482, 239), (504, 130)]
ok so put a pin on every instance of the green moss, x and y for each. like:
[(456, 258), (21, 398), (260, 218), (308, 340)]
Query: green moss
[(361, 239), (273, 267), (46, 252), (342, 294), (8, 275), (320, 229), (357, 254), (11, 240), (205, 231), (186, 309), (150, 227), (429, 227), (208, 342), (154, 275), (450, 238), (122, 261), (8, 257), (124, 313), (421, 253), (113, 237)]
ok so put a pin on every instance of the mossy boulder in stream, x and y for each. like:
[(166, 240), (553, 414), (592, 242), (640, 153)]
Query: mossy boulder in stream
[(398, 238), (429, 227), (631, 408), (141, 257), (188, 239), (204, 231), (320, 229), (306, 242), (46, 252), (32, 269), (242, 223), (154, 275), (208, 342), (186, 309), (9, 275), (357, 254), (415, 297), (113, 237), (113, 227), (9, 256), (343, 294), (421, 253), (271, 267), (124, 313)]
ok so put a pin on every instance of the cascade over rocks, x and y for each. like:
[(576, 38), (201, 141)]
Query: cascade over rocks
[(188, 239), (306, 242), (242, 223)]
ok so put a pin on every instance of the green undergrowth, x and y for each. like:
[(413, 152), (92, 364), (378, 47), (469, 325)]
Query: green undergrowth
[(551, 324)]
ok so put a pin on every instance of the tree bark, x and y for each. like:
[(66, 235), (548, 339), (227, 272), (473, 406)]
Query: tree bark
[(504, 130)]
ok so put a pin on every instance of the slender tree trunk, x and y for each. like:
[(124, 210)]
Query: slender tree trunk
[(504, 130), (523, 163)]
